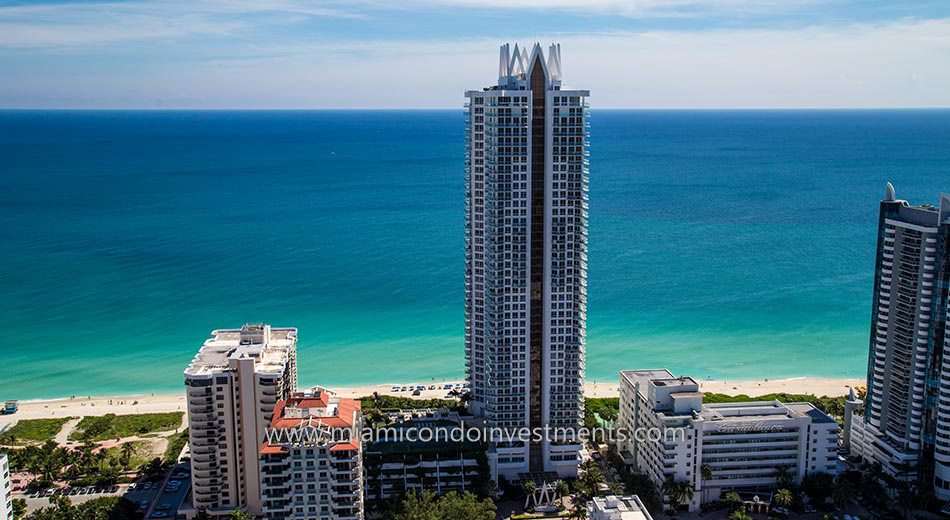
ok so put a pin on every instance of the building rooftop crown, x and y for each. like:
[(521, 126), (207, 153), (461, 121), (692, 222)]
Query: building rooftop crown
[(514, 65)]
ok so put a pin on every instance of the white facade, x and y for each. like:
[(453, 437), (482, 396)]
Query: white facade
[(322, 477), (747, 446), (6, 489), (232, 386), (526, 256), (907, 409), (613, 507)]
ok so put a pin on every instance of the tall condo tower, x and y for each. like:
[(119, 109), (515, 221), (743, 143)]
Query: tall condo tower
[(526, 256), (906, 422), (232, 386)]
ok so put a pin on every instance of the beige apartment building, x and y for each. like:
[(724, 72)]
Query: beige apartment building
[(311, 464), (233, 385)]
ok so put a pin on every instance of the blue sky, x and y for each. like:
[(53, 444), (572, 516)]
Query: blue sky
[(425, 53)]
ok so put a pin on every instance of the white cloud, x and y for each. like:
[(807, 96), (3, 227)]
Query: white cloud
[(635, 8), (895, 64), (900, 64), (72, 24)]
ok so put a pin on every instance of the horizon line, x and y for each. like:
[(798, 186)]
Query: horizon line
[(460, 108)]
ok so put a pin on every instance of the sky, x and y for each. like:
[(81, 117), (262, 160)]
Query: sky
[(261, 54)]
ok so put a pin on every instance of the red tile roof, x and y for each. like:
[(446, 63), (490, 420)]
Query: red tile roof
[(344, 418)]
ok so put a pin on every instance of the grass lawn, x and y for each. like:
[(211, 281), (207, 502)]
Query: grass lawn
[(112, 426), (34, 430), (141, 453)]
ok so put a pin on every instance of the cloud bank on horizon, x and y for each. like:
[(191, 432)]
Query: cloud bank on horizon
[(425, 53)]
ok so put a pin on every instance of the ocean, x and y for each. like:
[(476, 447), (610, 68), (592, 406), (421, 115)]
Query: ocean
[(723, 244)]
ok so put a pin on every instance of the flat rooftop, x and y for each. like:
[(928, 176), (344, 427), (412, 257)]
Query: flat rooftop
[(751, 411), (659, 377), (270, 347), (619, 508)]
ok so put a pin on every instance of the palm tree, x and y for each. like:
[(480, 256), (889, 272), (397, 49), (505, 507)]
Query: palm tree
[(237, 514), (685, 492), (675, 493), (784, 477), (843, 492), (588, 464), (733, 499), (530, 487), (740, 514), (783, 498), (705, 473), (580, 511), (128, 449)]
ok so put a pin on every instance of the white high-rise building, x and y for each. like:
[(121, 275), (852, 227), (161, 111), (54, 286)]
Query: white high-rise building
[(747, 446), (232, 386), (906, 421), (6, 491), (526, 256)]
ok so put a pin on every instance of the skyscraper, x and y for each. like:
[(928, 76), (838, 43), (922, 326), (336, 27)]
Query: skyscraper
[(232, 386), (526, 256), (906, 423)]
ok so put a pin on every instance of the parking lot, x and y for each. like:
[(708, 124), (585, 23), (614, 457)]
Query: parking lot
[(169, 494)]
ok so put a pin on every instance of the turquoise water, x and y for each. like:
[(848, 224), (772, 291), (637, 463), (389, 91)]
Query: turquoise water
[(725, 244)]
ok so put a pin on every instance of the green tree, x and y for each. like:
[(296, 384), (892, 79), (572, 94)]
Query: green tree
[(686, 492), (466, 506), (843, 492), (733, 499), (784, 477), (705, 473), (102, 508), (783, 498), (427, 506), (126, 452), (19, 508), (818, 486), (530, 487), (589, 482), (580, 511), (237, 514), (739, 514)]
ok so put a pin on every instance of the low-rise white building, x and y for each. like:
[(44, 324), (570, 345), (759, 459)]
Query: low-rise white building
[(617, 508), (747, 446)]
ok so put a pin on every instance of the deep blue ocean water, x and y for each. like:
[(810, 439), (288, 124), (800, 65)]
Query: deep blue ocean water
[(724, 244)]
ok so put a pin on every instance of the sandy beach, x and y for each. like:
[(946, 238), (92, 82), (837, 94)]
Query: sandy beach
[(148, 403), (796, 385)]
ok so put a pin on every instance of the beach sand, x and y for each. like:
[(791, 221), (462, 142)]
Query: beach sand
[(151, 403), (797, 385)]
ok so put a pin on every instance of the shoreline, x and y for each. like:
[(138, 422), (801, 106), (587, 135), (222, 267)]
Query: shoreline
[(172, 402)]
